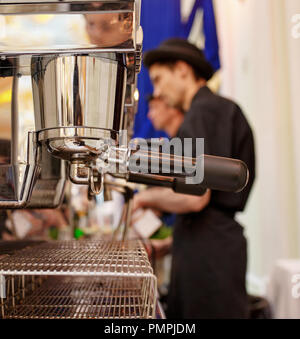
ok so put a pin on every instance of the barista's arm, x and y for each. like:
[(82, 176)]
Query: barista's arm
[(166, 200)]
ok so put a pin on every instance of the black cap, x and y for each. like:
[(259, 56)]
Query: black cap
[(179, 49)]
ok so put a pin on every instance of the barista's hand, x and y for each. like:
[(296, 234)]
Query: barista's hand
[(161, 247), (158, 248), (142, 199)]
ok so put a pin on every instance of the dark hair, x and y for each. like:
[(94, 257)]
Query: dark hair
[(171, 64)]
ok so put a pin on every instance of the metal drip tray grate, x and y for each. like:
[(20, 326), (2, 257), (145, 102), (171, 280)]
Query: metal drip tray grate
[(83, 298), (78, 279), (80, 258)]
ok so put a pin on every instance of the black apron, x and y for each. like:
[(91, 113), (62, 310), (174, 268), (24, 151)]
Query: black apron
[(209, 249)]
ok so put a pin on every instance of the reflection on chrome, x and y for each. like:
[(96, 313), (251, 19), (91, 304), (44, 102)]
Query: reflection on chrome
[(111, 29), (59, 26)]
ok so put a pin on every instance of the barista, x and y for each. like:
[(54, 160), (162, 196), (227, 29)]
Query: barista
[(209, 253)]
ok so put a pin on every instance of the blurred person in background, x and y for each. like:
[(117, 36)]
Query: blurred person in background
[(164, 117), (209, 252)]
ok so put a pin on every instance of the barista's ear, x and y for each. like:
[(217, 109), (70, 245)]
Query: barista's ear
[(182, 68)]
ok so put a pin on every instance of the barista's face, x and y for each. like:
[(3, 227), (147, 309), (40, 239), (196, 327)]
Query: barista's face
[(108, 29), (168, 84)]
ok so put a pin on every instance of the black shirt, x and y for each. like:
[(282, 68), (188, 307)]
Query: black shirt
[(226, 133), (209, 248)]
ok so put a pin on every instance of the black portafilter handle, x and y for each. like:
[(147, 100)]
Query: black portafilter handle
[(222, 174)]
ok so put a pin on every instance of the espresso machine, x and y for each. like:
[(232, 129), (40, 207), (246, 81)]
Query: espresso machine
[(83, 93), (78, 94)]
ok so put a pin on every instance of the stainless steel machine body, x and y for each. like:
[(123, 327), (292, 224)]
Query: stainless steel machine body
[(77, 93)]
